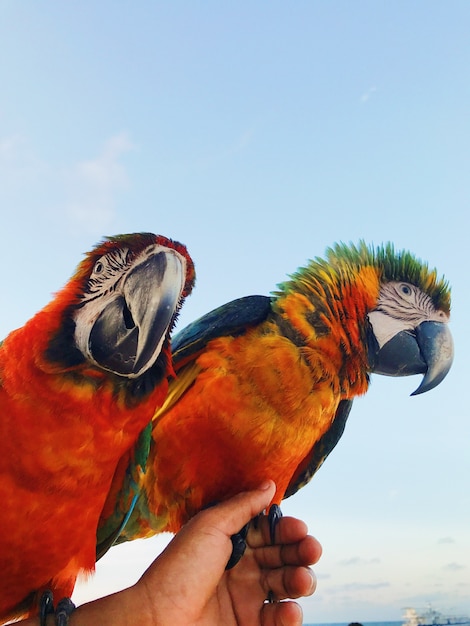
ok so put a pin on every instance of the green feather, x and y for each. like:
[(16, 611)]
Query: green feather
[(344, 260), (109, 532)]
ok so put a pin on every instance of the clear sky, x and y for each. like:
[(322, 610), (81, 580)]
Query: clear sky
[(259, 133)]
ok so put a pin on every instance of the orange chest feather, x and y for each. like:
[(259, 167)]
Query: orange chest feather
[(55, 425), (61, 443), (254, 411)]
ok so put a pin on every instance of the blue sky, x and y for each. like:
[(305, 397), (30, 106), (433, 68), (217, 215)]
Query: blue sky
[(259, 133)]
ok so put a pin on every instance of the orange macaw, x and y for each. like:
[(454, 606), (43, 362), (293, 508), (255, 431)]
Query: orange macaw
[(79, 382), (264, 385)]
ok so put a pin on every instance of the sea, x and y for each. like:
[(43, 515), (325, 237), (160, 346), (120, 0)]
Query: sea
[(355, 621)]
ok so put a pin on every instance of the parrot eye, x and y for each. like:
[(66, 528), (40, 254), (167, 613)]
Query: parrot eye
[(405, 289), (98, 267)]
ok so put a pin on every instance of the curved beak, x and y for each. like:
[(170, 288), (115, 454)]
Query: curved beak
[(128, 335), (428, 350), (437, 347)]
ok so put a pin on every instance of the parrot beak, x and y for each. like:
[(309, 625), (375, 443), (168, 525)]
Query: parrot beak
[(437, 348), (428, 350), (128, 334)]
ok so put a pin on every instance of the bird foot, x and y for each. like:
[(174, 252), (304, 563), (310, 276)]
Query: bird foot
[(65, 608), (239, 539), (274, 515), (238, 547)]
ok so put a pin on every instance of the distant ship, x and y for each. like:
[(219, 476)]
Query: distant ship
[(431, 617)]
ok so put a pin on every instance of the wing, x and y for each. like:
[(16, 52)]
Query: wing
[(123, 494), (232, 318), (321, 449), (127, 514)]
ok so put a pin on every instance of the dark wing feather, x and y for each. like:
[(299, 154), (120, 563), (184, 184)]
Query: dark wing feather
[(321, 449), (232, 319)]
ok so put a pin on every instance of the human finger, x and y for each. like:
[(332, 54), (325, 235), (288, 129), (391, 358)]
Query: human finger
[(288, 530), (207, 535), (305, 552), (193, 563), (231, 515), (288, 582)]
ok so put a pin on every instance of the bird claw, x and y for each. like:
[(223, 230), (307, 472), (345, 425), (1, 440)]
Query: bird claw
[(274, 515), (238, 547), (46, 607), (270, 598), (239, 539), (64, 609)]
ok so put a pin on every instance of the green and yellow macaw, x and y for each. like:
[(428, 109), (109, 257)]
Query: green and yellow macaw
[(264, 385)]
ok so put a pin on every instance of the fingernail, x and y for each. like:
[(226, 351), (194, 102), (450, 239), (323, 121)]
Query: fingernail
[(265, 485), (313, 584)]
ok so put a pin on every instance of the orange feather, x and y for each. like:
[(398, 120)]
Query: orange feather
[(252, 407), (264, 386), (63, 427)]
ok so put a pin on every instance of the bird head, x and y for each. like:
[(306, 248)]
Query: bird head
[(408, 331), (386, 310), (132, 287), (412, 335), (116, 312)]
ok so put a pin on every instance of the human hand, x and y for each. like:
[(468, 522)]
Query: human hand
[(188, 584)]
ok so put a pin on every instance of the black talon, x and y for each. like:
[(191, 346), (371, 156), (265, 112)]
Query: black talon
[(46, 607), (64, 609), (238, 540), (238, 543), (274, 516), (271, 598), (238, 547)]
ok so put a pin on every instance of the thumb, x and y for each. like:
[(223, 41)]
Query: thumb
[(205, 541), (234, 513)]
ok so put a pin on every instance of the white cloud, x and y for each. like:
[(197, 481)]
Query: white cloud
[(19, 166), (9, 148), (454, 567), (366, 96), (356, 587), (81, 196), (357, 560), (92, 186)]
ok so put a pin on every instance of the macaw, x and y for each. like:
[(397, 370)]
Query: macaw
[(264, 385), (79, 382)]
